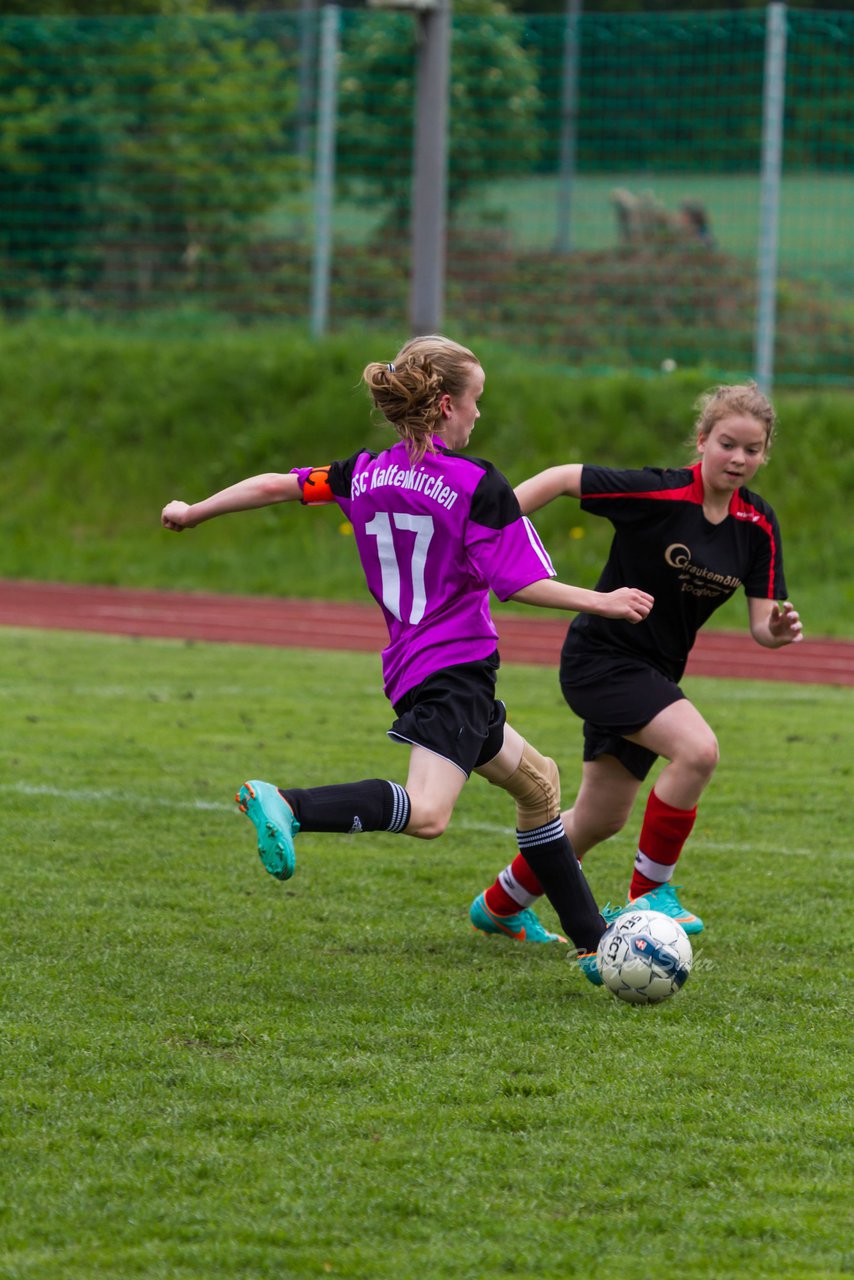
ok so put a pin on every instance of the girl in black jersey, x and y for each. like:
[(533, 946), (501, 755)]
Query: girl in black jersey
[(690, 537)]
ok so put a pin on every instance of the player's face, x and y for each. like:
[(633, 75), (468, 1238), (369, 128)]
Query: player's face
[(460, 413), (732, 452)]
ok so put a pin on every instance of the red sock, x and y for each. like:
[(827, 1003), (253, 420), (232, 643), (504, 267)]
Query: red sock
[(503, 903), (663, 834)]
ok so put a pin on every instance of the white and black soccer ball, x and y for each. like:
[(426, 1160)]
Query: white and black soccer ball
[(644, 957)]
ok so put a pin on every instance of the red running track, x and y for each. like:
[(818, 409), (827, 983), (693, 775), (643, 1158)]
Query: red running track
[(315, 624)]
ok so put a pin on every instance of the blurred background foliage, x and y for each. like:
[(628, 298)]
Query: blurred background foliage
[(164, 161), (100, 429), (167, 159), (96, 8)]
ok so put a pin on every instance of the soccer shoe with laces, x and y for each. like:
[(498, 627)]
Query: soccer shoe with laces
[(666, 900), (523, 926), (610, 914), (275, 824)]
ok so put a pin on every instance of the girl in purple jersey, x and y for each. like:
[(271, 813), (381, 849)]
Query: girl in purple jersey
[(435, 532), (690, 536)]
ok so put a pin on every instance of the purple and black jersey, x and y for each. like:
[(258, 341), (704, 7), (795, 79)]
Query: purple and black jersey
[(434, 537), (664, 544)]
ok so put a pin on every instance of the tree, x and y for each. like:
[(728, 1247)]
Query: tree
[(493, 109), (136, 151)]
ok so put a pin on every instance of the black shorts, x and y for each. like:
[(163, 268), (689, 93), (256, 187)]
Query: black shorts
[(615, 696), (455, 714)]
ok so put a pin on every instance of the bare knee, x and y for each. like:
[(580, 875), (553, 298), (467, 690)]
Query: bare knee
[(427, 823), (704, 757), (608, 825), (588, 829)]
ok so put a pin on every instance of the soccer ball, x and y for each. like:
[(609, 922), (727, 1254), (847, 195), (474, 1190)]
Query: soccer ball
[(644, 957)]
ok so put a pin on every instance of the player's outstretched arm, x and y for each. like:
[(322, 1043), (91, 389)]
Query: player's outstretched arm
[(774, 623), (628, 603), (256, 491), (555, 482)]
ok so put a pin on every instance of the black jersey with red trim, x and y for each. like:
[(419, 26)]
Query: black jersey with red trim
[(664, 544)]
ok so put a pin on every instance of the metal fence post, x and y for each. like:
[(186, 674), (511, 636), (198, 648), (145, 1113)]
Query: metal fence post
[(324, 173), (774, 95), (569, 125), (305, 76), (430, 169)]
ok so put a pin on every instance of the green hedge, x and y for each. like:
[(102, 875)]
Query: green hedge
[(101, 428)]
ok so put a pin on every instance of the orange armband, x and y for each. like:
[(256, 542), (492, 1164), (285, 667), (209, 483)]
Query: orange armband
[(315, 490)]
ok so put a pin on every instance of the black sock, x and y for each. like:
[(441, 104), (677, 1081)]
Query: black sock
[(372, 805), (551, 857)]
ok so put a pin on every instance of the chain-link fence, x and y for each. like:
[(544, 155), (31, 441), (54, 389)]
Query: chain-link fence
[(604, 192)]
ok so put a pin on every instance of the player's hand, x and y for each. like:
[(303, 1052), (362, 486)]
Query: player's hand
[(629, 603), (174, 516), (784, 623)]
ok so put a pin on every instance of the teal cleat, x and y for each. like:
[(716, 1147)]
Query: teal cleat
[(610, 914), (665, 900), (588, 966), (522, 926), (275, 824)]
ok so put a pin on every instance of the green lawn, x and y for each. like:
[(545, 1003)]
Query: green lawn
[(206, 1073), (816, 214), (816, 211)]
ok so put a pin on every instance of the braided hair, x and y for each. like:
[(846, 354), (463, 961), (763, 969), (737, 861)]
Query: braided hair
[(408, 391)]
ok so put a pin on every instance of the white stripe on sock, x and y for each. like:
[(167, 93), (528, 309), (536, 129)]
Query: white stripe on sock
[(401, 807), (514, 889), (540, 835), (658, 871)]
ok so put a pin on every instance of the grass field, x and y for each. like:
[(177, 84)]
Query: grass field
[(209, 1074), (816, 213)]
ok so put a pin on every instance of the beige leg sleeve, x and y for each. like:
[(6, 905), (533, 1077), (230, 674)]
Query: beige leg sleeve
[(535, 786)]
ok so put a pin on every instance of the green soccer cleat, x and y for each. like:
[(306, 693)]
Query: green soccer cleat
[(588, 966), (522, 926), (275, 824), (665, 900)]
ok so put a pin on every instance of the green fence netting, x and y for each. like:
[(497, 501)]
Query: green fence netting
[(603, 178)]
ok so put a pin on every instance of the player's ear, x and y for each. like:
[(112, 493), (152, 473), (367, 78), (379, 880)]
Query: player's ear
[(445, 406)]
